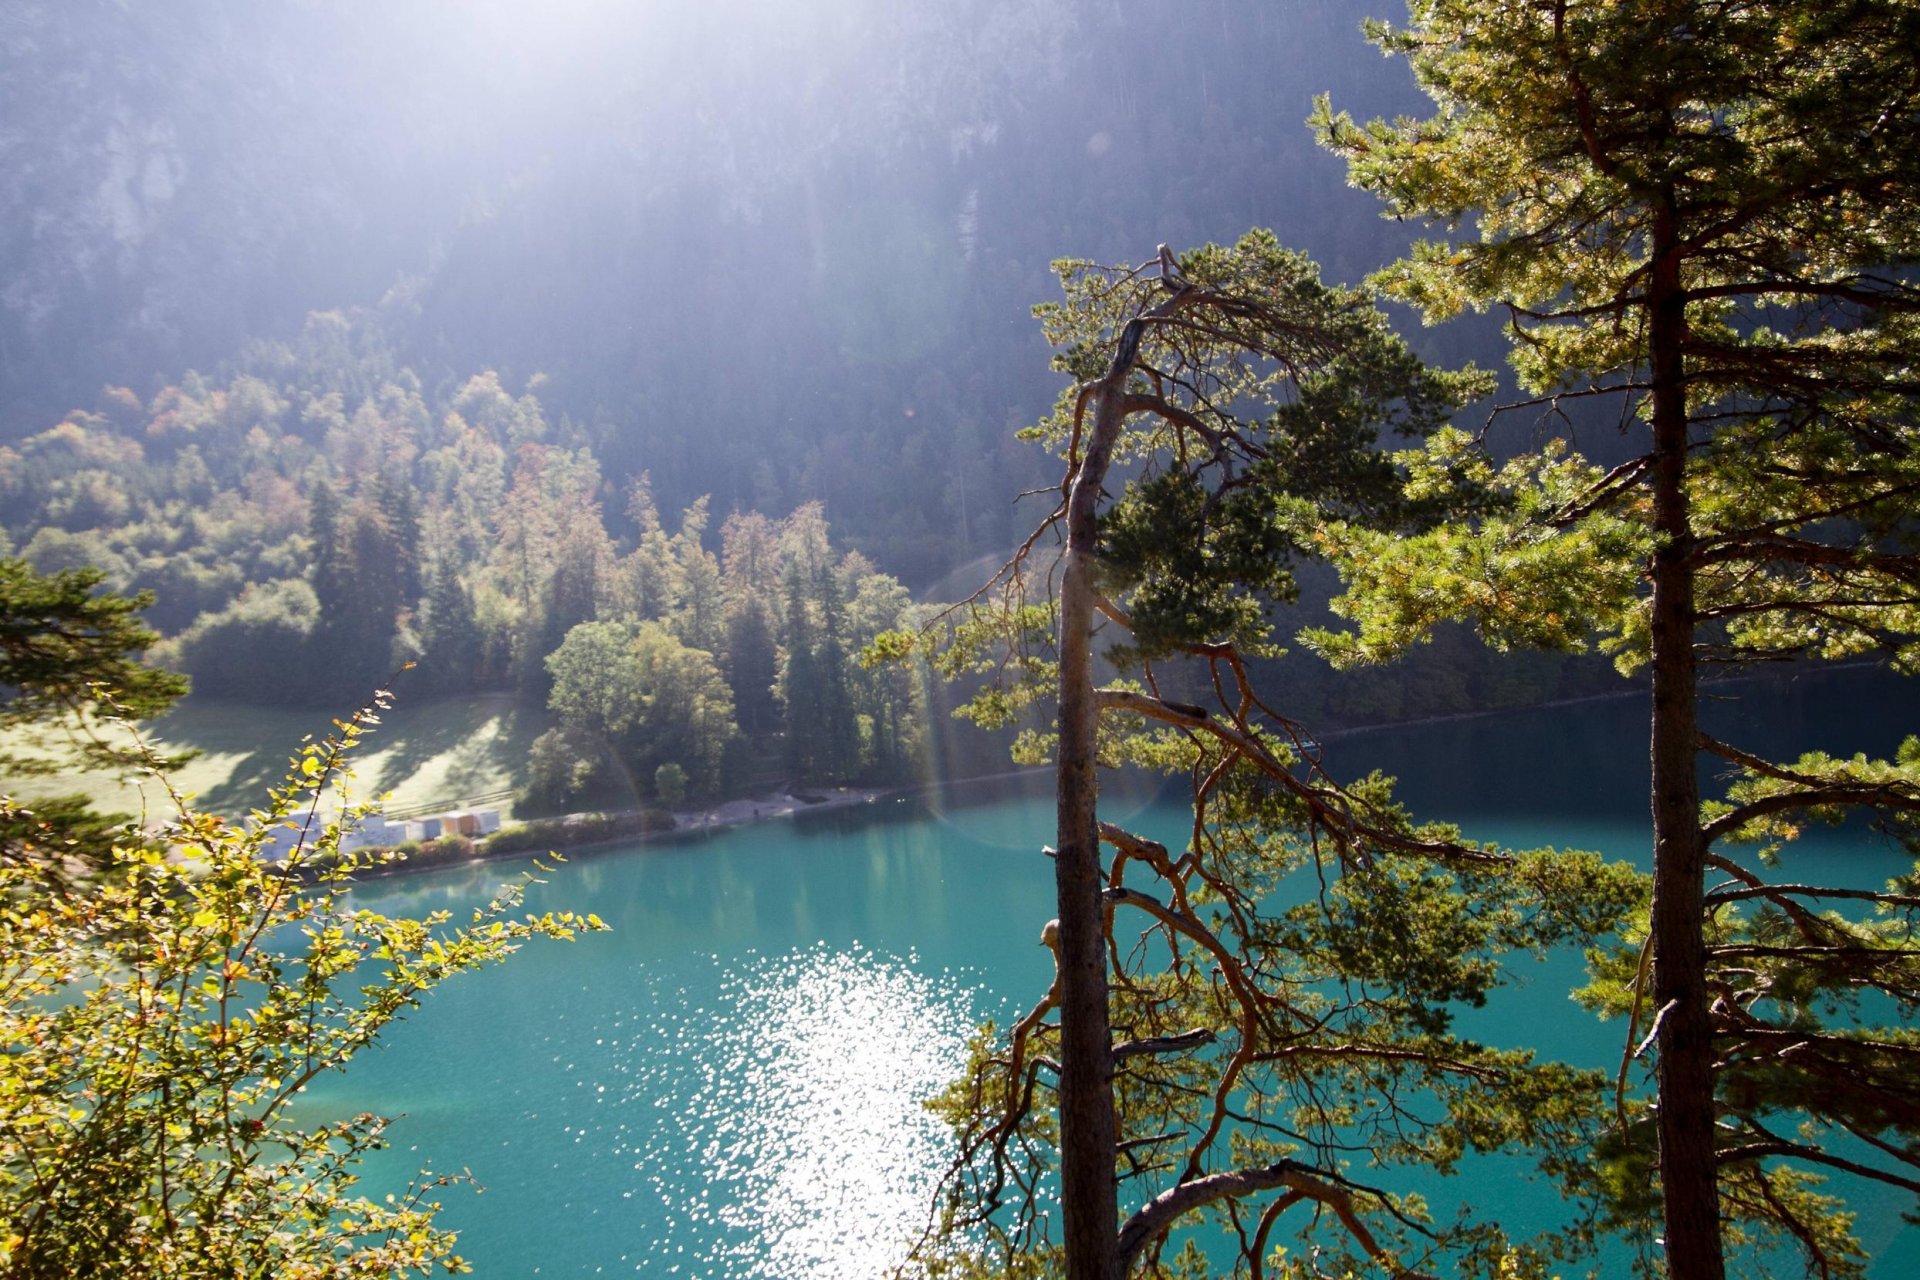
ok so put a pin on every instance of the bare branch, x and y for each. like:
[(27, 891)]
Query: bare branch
[(1181, 1043), (1300, 1181), (1330, 807)]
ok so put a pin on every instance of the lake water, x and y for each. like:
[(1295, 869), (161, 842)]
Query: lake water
[(728, 1084)]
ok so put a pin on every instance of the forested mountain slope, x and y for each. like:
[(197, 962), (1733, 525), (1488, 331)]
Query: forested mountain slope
[(751, 246), (483, 300)]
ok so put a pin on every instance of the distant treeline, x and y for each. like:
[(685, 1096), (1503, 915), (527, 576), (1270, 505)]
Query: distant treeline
[(801, 274), (304, 542), (312, 524)]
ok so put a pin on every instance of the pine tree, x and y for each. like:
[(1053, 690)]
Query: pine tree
[(1705, 214), (358, 577), (1207, 1052), (800, 685), (398, 502), (652, 575), (358, 639), (328, 573), (752, 665), (839, 730), (449, 633), (69, 653), (699, 605)]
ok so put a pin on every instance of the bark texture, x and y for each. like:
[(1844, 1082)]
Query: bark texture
[(1689, 1172), (1088, 1134)]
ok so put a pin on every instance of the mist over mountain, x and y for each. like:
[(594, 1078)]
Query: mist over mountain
[(754, 248)]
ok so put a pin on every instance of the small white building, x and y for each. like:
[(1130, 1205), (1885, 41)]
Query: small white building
[(373, 832), (278, 841)]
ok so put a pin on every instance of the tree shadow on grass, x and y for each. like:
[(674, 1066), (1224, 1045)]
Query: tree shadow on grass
[(246, 787), (246, 750), (487, 742), (259, 745)]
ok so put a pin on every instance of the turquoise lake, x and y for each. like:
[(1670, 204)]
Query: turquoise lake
[(728, 1084)]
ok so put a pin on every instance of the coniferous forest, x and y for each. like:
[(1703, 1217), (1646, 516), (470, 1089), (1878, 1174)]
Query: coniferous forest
[(749, 391)]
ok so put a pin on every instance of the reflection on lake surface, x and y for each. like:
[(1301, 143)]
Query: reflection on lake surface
[(728, 1084), (763, 1119), (805, 1120)]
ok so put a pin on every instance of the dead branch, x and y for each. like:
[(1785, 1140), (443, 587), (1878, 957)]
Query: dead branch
[(1300, 1181)]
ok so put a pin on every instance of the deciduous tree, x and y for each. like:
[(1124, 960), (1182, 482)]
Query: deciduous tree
[(160, 1022), (648, 698)]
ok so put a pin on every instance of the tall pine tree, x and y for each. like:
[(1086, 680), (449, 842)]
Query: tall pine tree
[(1707, 215), (839, 731), (1208, 1051)]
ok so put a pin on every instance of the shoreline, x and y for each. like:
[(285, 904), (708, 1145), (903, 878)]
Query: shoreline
[(688, 825), (754, 809), (727, 815)]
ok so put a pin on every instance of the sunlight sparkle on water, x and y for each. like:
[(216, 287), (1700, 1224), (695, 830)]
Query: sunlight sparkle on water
[(816, 1158)]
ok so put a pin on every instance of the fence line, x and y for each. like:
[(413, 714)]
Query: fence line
[(404, 812)]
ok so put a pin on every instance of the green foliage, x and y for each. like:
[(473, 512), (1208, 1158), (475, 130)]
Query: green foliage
[(670, 784), (596, 680), (1523, 575), (1328, 1028), (327, 513), (822, 733), (646, 696), (1252, 427), (1186, 587), (70, 679), (161, 1023), (1260, 1052), (561, 765), (578, 829), (241, 651), (69, 659), (1702, 218), (752, 664), (451, 642)]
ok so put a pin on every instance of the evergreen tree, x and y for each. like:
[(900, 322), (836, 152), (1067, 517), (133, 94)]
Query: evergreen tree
[(700, 607), (69, 665), (651, 568), (753, 665), (1240, 1053), (357, 638), (885, 694), (1707, 214), (329, 572), (800, 685), (394, 493), (450, 638), (69, 657), (578, 581), (839, 733), (552, 555), (358, 573)]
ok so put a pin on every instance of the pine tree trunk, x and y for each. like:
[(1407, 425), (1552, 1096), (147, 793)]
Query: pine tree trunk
[(1088, 1143), (1688, 1172)]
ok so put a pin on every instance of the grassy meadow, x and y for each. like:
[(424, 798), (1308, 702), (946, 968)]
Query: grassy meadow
[(433, 752)]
